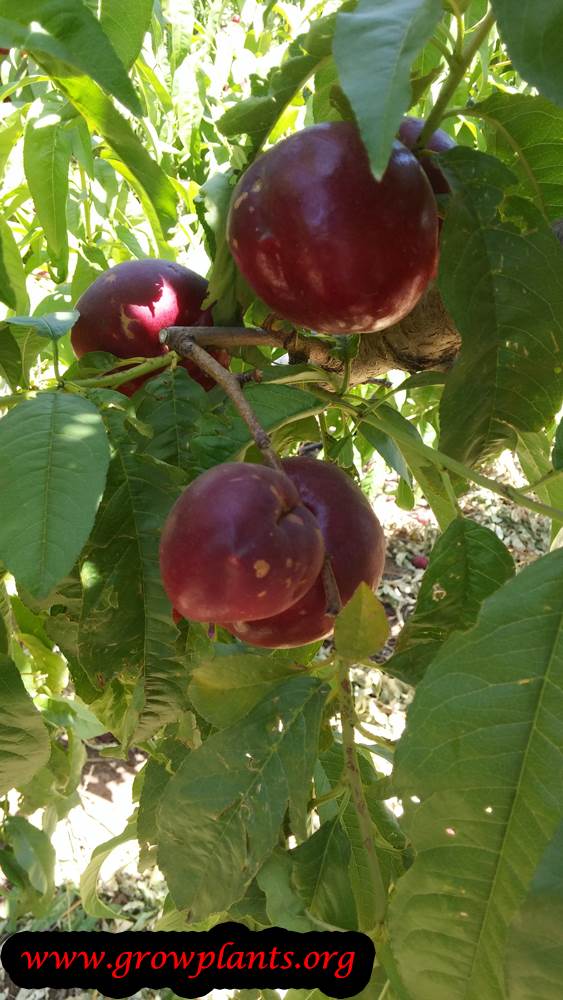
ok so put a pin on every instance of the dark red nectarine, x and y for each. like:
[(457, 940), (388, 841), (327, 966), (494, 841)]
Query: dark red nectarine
[(125, 309), (353, 539), (439, 142), (239, 543), (323, 243)]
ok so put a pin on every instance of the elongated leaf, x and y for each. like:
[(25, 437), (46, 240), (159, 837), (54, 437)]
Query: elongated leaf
[(431, 481), (54, 457), (557, 454), (534, 455), (534, 959), (50, 325), (527, 133), (361, 628), (225, 804), (375, 46), (508, 374), (24, 741), (126, 22), (12, 129), (531, 35), (12, 274), (171, 406), (467, 564), (104, 119), (388, 450), (480, 773), (34, 852), (225, 687), (46, 155), (89, 879), (320, 875), (10, 358), (72, 34), (125, 624)]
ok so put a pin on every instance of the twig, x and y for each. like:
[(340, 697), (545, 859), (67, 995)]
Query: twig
[(180, 339), (354, 781), (232, 336), (332, 593)]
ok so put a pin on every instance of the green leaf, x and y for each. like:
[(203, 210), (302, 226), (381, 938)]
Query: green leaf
[(508, 374), (70, 33), (125, 622), (431, 481), (534, 957), (321, 877), (50, 325), (361, 628), (284, 906), (54, 456), (531, 36), (480, 774), (34, 853), (171, 405), (12, 129), (24, 742), (104, 119), (126, 22), (375, 46), (225, 805), (534, 456), (46, 157), (91, 902), (387, 449), (13, 290), (467, 564), (10, 358), (557, 453), (255, 115), (527, 133), (227, 685)]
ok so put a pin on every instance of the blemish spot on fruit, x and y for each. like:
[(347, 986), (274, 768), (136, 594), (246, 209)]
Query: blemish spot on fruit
[(241, 626), (295, 519), (257, 186), (235, 244), (241, 198), (289, 563), (234, 560), (262, 593), (261, 568)]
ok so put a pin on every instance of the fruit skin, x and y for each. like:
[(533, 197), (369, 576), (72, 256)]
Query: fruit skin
[(354, 540), (125, 309), (323, 243), (439, 142), (239, 543)]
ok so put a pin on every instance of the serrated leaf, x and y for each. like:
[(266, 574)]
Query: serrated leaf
[(321, 877), (480, 774), (24, 741), (91, 902), (226, 803), (106, 120), (534, 956), (374, 47), (507, 376), (125, 620), (126, 22), (361, 628), (46, 157), (527, 133), (531, 34), (50, 325), (225, 687), (51, 488), (67, 30), (467, 564)]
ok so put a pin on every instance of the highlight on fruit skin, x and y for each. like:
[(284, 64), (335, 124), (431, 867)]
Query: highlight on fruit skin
[(126, 307), (354, 541), (239, 543), (323, 243)]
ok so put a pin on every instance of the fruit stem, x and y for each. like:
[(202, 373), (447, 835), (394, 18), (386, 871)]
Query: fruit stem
[(353, 779), (440, 459), (179, 339), (148, 367), (454, 78)]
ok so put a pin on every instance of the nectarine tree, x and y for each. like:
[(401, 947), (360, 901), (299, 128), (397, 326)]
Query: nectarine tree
[(342, 219)]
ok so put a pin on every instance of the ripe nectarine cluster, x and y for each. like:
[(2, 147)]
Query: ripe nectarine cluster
[(329, 248)]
